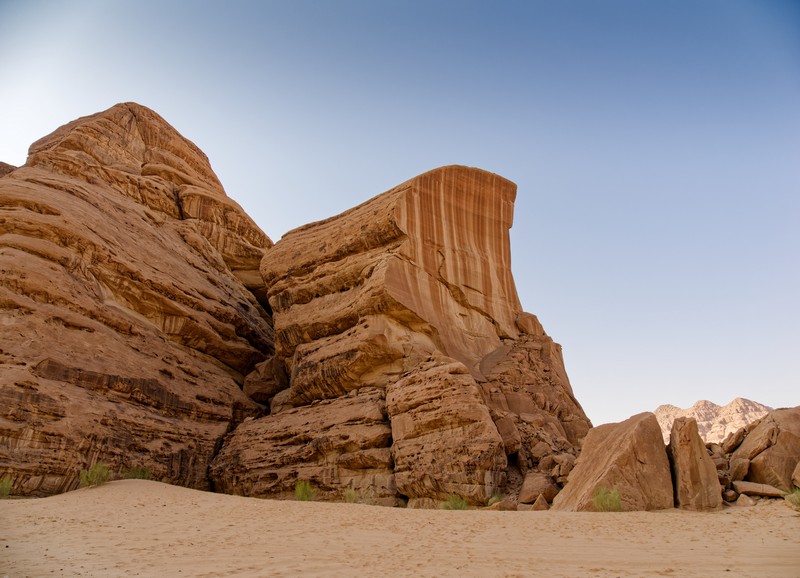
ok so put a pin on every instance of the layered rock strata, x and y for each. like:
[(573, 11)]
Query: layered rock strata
[(409, 295), (714, 422), (129, 300)]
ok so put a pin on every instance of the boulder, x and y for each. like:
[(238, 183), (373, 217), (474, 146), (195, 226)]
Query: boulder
[(754, 489), (694, 475), (537, 484), (540, 504), (729, 495), (129, 311), (629, 457), (745, 501), (773, 448), (738, 468)]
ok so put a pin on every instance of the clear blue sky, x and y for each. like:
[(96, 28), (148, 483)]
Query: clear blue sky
[(656, 147)]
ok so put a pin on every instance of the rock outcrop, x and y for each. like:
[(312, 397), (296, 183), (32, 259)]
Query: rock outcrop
[(694, 475), (6, 168), (771, 448), (411, 295), (131, 305), (628, 457), (714, 422)]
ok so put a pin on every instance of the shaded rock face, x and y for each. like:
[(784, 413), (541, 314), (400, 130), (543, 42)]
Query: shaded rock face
[(628, 456), (411, 295), (129, 303), (694, 475)]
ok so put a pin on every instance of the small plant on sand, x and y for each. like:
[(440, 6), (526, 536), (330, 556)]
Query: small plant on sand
[(351, 496), (793, 499), (304, 491), (5, 487), (137, 473), (454, 502), (97, 475), (605, 500), (496, 497)]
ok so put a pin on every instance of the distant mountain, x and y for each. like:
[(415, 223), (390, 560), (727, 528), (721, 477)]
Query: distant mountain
[(714, 422)]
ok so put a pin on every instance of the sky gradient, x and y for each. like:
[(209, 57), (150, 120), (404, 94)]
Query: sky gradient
[(655, 145)]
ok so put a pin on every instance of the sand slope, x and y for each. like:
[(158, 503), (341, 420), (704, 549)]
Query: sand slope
[(141, 528)]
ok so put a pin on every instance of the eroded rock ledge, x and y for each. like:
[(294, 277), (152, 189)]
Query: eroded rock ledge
[(405, 307), (129, 301)]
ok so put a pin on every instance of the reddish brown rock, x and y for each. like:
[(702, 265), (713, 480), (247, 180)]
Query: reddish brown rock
[(773, 448), (6, 168), (537, 485), (334, 444), (796, 476), (411, 293), (694, 475), (629, 457), (540, 504), (127, 323), (754, 489)]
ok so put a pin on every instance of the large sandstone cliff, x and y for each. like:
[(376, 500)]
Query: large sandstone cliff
[(129, 305), (405, 307), (148, 322)]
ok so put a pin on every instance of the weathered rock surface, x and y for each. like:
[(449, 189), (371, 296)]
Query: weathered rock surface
[(411, 293), (6, 168), (537, 485), (628, 456), (756, 489), (694, 475), (127, 321), (796, 476), (714, 422), (772, 446)]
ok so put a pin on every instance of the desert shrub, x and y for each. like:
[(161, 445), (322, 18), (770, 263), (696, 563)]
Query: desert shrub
[(5, 487), (97, 475), (304, 491), (454, 502), (351, 496), (137, 473), (793, 499), (496, 497), (605, 500)]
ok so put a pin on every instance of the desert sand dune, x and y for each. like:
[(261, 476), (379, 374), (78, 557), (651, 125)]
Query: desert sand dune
[(143, 528)]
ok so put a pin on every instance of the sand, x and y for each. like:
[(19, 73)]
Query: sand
[(142, 528)]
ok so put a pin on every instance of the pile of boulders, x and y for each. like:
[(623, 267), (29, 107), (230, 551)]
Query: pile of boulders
[(760, 460)]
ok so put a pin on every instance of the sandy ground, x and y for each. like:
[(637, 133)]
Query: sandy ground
[(141, 528)]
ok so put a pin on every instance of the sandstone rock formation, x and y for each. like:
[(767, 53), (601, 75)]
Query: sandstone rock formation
[(629, 457), (714, 422), (772, 448), (409, 295), (694, 475), (6, 168), (129, 300)]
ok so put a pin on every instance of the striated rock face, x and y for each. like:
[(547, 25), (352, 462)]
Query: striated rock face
[(629, 457), (694, 475), (6, 168), (411, 295), (714, 422), (129, 304)]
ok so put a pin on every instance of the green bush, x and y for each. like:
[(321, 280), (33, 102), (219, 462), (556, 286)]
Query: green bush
[(304, 491), (5, 487), (793, 499), (496, 497), (605, 500), (454, 502), (351, 496), (137, 473), (97, 475)]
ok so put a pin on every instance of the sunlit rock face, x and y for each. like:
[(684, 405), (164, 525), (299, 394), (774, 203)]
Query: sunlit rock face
[(410, 297), (129, 305)]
